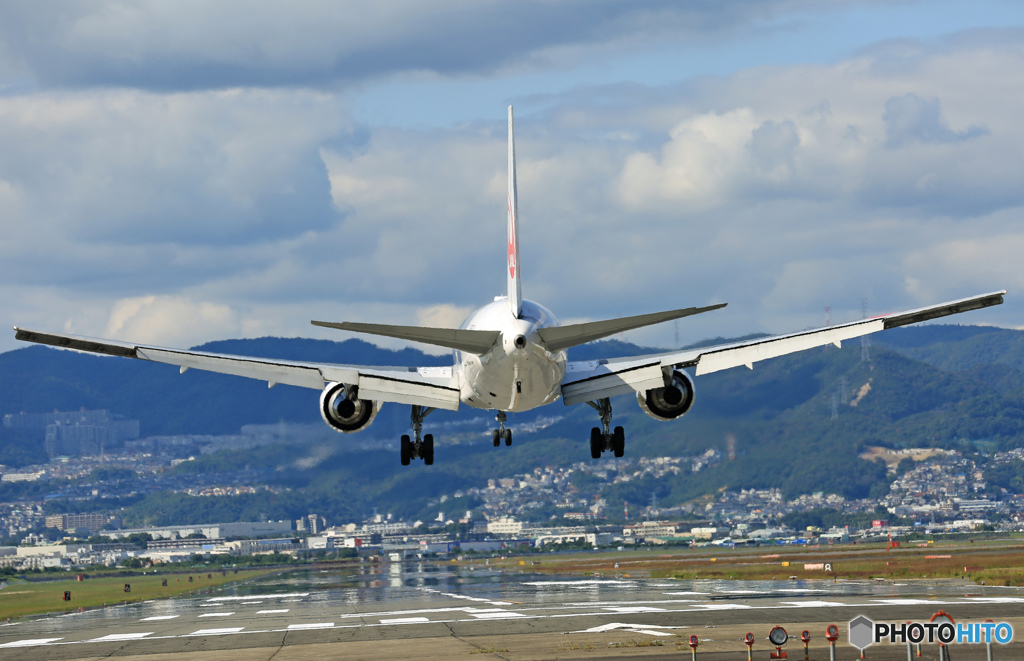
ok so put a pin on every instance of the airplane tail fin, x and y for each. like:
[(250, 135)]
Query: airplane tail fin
[(515, 294)]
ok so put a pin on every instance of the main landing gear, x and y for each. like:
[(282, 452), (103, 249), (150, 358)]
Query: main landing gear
[(416, 448), (501, 433), (603, 438)]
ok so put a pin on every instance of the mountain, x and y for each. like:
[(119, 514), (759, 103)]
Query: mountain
[(798, 422)]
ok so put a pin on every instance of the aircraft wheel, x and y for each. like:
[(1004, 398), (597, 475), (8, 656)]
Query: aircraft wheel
[(619, 441), (406, 450), (496, 437), (428, 449), (596, 443), (508, 437)]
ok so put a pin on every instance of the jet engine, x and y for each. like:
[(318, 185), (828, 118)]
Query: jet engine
[(342, 409), (670, 402)]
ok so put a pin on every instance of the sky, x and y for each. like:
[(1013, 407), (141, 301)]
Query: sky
[(173, 173)]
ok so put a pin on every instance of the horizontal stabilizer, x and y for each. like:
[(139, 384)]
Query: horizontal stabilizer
[(556, 338), (471, 341)]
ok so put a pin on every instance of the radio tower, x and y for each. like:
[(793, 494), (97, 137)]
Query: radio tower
[(865, 355)]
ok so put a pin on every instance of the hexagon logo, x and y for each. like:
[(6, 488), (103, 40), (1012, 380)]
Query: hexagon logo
[(862, 631)]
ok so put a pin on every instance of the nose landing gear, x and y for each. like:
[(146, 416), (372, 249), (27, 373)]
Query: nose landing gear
[(604, 438), (417, 448), (501, 432)]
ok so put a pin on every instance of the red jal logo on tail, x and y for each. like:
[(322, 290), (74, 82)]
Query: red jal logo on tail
[(511, 243)]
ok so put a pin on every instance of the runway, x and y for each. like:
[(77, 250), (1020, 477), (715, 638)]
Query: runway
[(433, 610)]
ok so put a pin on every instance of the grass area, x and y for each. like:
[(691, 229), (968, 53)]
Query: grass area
[(21, 598), (995, 561)]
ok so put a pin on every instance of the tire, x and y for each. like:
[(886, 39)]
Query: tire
[(496, 437), (619, 441), (406, 450), (508, 437), (596, 443), (428, 449)]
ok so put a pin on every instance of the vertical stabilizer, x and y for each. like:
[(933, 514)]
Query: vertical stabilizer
[(515, 294)]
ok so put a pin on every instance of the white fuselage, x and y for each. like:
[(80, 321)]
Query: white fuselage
[(518, 373)]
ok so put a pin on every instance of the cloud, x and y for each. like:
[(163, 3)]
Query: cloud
[(170, 320), (909, 118), (189, 45), (776, 189)]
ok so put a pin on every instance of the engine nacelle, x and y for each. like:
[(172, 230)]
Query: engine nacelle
[(670, 402), (342, 409)]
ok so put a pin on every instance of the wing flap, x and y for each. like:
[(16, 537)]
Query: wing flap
[(305, 376), (611, 380), (714, 361), (389, 388), (91, 345)]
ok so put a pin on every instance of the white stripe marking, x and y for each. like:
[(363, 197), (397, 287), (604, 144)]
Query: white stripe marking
[(31, 642), (635, 628), (812, 604), (501, 615), (216, 632), (216, 614), (404, 620), (158, 617), (260, 596), (120, 636), (633, 609), (311, 625), (722, 607), (276, 610)]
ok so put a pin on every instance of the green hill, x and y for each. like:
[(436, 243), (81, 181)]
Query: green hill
[(798, 423)]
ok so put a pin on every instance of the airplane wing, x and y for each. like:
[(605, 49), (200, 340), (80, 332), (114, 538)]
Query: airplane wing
[(592, 380), (425, 386)]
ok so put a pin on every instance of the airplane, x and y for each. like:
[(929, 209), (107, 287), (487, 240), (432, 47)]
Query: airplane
[(510, 356)]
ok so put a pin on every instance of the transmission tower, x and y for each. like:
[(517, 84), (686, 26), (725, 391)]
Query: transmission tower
[(865, 343), (835, 406)]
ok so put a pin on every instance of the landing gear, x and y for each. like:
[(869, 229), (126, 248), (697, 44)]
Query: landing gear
[(417, 448), (603, 438), (501, 433)]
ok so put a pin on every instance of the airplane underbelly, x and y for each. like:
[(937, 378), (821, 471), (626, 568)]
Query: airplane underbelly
[(512, 382)]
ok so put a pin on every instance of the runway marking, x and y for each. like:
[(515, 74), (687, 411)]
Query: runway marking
[(404, 620), (812, 604), (31, 642), (260, 596), (311, 625), (722, 607), (216, 614), (276, 610), (907, 602), (633, 609), (216, 632), (995, 600), (120, 636), (649, 629), (492, 613), (586, 583), (158, 617), (681, 594), (468, 598), (798, 590)]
